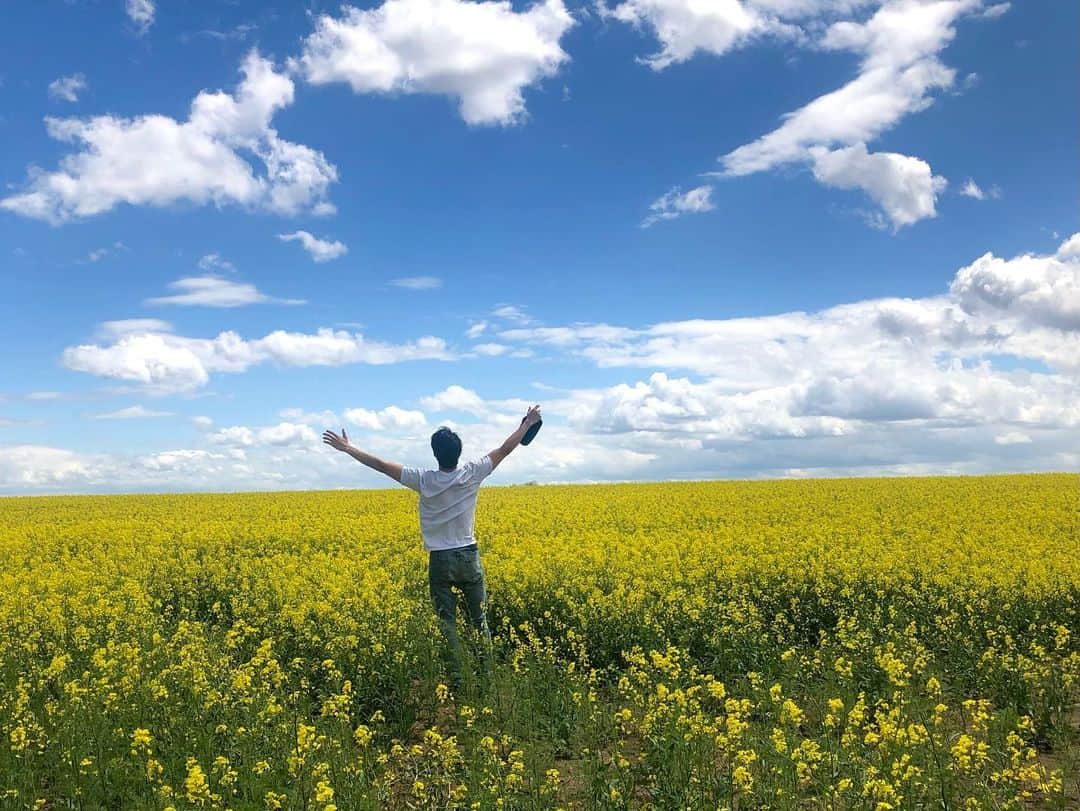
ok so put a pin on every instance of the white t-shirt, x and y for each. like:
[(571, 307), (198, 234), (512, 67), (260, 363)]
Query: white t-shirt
[(447, 502)]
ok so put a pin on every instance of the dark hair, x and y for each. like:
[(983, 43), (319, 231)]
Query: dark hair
[(446, 445)]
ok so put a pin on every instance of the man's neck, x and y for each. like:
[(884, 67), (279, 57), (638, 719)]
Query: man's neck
[(448, 469)]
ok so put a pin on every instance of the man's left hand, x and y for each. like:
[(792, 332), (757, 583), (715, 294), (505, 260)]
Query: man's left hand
[(338, 443)]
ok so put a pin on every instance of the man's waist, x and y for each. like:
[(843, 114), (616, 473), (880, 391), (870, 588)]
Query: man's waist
[(463, 548)]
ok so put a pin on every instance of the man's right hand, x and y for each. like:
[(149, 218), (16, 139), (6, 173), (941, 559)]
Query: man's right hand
[(532, 416)]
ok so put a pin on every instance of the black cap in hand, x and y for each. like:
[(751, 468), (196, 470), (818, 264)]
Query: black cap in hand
[(532, 432)]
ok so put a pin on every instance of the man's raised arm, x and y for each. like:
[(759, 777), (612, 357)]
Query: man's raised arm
[(512, 441), (341, 443)]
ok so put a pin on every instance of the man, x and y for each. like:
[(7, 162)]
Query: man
[(447, 513)]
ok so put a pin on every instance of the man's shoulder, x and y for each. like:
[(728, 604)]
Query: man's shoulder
[(481, 466)]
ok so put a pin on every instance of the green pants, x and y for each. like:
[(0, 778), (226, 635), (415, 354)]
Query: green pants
[(460, 569)]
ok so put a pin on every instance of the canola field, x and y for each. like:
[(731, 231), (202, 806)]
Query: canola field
[(831, 644)]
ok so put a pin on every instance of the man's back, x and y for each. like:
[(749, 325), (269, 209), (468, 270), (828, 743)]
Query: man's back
[(447, 502)]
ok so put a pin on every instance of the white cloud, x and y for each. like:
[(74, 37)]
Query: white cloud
[(484, 54), (984, 377), (202, 422), (1070, 248), (995, 11), (159, 161), (904, 187), (141, 12), (67, 88), (167, 362), (235, 435), (132, 413), (491, 350), (973, 190), (679, 406), (455, 398), (476, 330), (685, 27), (152, 359), (200, 466), (323, 419), (214, 291), (214, 261), (97, 254), (321, 250), (971, 358), (899, 45), (1040, 290), (287, 433), (34, 466), (675, 203), (418, 282), (1012, 438), (389, 418), (900, 69), (110, 330), (511, 312)]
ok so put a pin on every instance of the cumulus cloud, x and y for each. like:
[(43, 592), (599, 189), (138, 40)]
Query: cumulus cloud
[(903, 186), (984, 377), (389, 418), (196, 465), (163, 361), (899, 45), (235, 435), (322, 419), (679, 406), (67, 88), (1039, 290), (676, 202), (484, 54), (214, 291), (933, 361), (141, 12), (1012, 438), (159, 161), (995, 11), (976, 192), (36, 466), (685, 27), (900, 70), (108, 330), (214, 261), (321, 250), (512, 312), (418, 282), (455, 398), (134, 412), (504, 413), (971, 189), (287, 433)]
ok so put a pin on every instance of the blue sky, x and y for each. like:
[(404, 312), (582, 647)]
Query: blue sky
[(757, 238)]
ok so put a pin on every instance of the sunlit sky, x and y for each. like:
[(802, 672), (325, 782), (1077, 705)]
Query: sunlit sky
[(737, 239)]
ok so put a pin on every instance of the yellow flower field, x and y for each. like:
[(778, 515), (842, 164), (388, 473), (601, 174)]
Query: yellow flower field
[(830, 644)]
